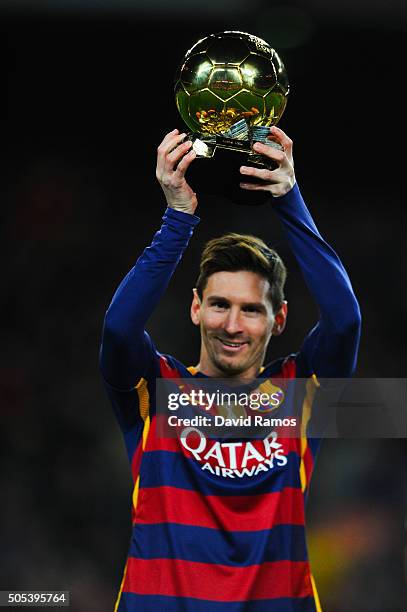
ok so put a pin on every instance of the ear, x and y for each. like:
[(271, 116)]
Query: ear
[(280, 320), (196, 308)]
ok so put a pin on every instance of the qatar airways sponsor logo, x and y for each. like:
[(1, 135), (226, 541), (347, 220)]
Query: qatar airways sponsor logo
[(233, 459)]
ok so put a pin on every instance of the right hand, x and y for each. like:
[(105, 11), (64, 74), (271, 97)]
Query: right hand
[(171, 176)]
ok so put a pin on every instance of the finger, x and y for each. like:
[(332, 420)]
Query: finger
[(185, 162), (167, 145), (270, 152), (169, 135), (260, 173), (172, 143), (177, 153), (256, 186), (271, 177), (280, 137)]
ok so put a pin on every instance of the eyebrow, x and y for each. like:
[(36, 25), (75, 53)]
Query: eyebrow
[(219, 298)]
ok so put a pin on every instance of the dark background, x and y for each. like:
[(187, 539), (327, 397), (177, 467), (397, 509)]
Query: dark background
[(87, 95)]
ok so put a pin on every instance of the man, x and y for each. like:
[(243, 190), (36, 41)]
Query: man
[(220, 526)]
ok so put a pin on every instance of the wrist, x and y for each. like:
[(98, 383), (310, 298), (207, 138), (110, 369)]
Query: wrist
[(284, 188), (189, 210), (181, 216)]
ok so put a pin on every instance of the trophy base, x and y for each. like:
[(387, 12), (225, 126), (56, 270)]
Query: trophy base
[(232, 150), (222, 179)]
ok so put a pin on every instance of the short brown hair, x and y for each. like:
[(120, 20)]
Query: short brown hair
[(234, 252)]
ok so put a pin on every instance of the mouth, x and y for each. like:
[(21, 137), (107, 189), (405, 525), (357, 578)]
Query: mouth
[(230, 346)]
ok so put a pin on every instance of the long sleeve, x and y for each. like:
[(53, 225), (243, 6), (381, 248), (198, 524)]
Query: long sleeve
[(126, 349), (330, 349)]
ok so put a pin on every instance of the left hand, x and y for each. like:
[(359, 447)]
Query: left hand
[(281, 180)]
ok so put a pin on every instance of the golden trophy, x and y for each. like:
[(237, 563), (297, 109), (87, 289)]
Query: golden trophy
[(229, 89)]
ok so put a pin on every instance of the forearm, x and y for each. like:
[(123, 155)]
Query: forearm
[(125, 347), (337, 333)]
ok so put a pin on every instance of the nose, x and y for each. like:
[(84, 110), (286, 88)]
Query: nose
[(233, 323)]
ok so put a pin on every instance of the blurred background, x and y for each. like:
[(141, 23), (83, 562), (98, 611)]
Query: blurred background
[(87, 95)]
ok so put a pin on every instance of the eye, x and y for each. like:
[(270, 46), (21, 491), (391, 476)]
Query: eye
[(220, 304), (250, 308)]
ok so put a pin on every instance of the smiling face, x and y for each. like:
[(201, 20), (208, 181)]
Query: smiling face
[(236, 320)]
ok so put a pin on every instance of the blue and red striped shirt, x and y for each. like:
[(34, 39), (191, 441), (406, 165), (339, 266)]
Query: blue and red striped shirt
[(220, 526)]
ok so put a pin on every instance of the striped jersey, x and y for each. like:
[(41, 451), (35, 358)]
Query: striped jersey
[(220, 524)]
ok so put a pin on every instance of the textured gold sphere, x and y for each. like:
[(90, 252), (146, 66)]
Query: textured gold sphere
[(229, 76)]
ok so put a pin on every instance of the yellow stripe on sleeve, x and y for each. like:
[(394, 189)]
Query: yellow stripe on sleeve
[(316, 596), (311, 386), (121, 589), (144, 406)]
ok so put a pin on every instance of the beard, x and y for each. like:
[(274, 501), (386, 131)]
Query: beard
[(227, 368), (233, 365)]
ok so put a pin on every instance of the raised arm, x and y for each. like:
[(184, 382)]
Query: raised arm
[(330, 349), (127, 351)]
